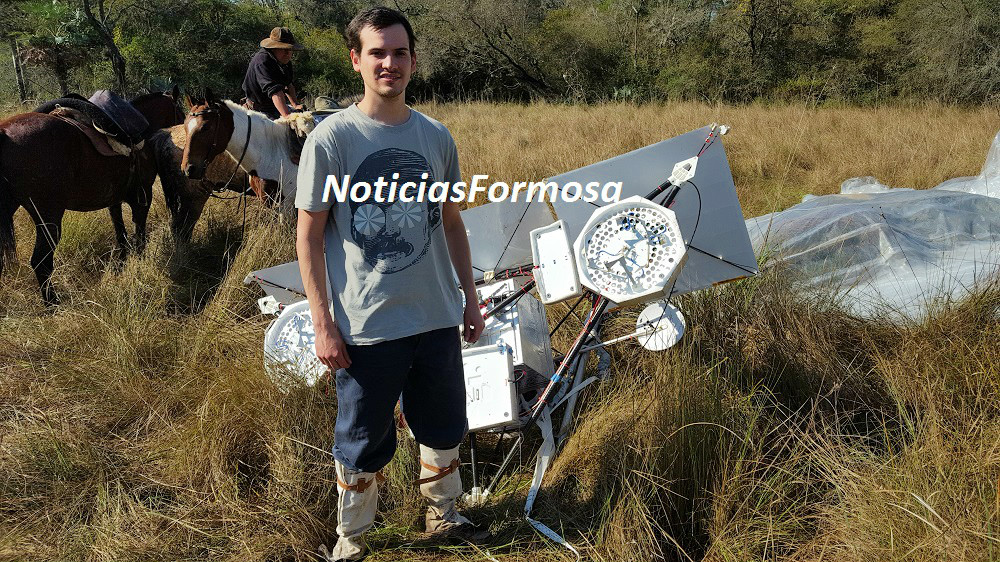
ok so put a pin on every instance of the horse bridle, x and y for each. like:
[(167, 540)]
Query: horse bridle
[(215, 139)]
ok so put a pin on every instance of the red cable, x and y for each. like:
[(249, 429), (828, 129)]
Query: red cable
[(565, 359)]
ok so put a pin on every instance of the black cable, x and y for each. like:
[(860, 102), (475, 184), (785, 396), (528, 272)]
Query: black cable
[(511, 272), (697, 219), (723, 260), (512, 234), (690, 244), (510, 300), (663, 200), (570, 311)]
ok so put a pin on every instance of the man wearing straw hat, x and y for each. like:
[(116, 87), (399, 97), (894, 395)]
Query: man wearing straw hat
[(268, 82)]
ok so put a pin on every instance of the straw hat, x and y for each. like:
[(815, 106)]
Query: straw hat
[(281, 38)]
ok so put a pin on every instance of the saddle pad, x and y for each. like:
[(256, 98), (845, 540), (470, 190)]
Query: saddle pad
[(95, 115)]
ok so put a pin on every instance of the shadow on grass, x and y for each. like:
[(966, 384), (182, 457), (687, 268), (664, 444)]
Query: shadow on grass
[(197, 268)]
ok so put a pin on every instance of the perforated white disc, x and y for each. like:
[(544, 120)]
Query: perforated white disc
[(630, 251), (662, 326), (290, 348)]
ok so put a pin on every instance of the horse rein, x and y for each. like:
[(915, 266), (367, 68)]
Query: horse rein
[(212, 192)]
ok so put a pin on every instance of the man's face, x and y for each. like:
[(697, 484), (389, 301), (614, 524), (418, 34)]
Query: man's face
[(284, 56), (385, 61)]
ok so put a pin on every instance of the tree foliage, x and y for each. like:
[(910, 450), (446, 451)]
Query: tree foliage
[(859, 51)]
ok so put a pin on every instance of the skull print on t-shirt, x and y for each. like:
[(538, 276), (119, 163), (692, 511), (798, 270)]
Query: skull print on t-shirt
[(394, 235)]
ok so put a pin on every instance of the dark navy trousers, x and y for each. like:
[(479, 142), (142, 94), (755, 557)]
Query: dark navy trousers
[(426, 371)]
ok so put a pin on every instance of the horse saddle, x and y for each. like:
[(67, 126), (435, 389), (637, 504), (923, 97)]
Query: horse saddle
[(113, 117), (103, 143), (123, 114)]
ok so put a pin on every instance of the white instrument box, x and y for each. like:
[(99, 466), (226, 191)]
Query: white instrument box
[(555, 266), (522, 329), (490, 391)]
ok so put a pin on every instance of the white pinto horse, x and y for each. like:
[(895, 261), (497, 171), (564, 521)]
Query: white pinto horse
[(260, 145)]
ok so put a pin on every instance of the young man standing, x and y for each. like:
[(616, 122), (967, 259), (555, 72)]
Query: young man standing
[(392, 266)]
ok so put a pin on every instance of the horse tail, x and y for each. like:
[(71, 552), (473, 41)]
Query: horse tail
[(7, 208)]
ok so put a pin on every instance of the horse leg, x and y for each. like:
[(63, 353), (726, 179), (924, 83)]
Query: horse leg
[(141, 198), (48, 230), (121, 235), (140, 213), (7, 247)]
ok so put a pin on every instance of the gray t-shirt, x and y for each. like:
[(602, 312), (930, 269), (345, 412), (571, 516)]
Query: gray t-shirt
[(388, 263)]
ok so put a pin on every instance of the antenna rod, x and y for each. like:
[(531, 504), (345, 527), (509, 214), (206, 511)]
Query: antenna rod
[(511, 298), (683, 171), (660, 189)]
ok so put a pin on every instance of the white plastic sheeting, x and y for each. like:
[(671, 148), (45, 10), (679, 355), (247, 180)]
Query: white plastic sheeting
[(885, 250), (986, 183)]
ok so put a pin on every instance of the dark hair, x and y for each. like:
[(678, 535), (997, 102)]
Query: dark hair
[(379, 18)]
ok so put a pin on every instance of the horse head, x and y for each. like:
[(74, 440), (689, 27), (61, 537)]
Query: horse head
[(160, 108), (209, 126)]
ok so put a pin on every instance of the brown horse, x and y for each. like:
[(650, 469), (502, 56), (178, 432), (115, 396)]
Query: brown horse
[(160, 108), (48, 166)]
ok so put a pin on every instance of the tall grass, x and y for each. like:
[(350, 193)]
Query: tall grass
[(137, 423)]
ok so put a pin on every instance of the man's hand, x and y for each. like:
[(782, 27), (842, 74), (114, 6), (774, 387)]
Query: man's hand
[(461, 259), (331, 349), (473, 323)]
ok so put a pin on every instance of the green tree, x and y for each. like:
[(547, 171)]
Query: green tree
[(56, 37), (197, 43), (480, 49), (324, 68), (955, 46)]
